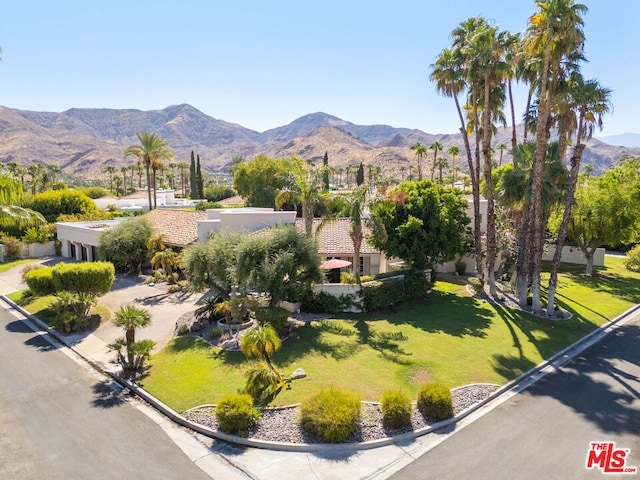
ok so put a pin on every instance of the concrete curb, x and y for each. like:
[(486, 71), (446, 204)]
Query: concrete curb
[(517, 384)]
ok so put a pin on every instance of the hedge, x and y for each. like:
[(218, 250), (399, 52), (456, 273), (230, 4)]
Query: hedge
[(89, 277), (378, 295), (40, 281)]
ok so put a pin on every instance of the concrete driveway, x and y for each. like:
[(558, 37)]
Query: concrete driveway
[(165, 309)]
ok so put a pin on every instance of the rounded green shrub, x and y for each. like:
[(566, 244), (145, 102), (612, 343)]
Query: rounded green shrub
[(434, 401), (396, 409), (333, 415), (476, 284), (40, 281), (632, 262), (235, 414)]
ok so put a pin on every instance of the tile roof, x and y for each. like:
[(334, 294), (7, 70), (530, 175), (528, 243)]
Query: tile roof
[(138, 194), (232, 201), (334, 239), (177, 227)]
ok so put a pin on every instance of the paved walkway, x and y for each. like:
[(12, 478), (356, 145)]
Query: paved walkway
[(164, 308)]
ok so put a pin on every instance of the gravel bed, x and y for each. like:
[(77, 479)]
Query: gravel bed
[(281, 424)]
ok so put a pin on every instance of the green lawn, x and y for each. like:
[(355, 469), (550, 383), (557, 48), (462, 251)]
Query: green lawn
[(450, 337), (6, 266)]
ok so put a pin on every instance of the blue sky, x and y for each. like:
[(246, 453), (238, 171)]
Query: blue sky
[(263, 64)]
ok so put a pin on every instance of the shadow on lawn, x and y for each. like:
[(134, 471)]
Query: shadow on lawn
[(446, 313)]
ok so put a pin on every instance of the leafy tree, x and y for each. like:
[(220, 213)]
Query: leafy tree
[(151, 150), (420, 222), (279, 262), (15, 219), (259, 180), (53, 203), (212, 264), (125, 244), (215, 193)]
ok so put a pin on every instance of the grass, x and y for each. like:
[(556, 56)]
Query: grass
[(450, 337), (6, 266)]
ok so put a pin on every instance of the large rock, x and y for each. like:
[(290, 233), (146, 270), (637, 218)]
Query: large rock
[(231, 344), (299, 373)]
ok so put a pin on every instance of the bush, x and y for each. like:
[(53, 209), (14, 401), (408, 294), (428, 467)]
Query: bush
[(434, 401), (461, 267), (205, 205), (125, 245), (333, 415), (94, 192), (88, 277), (183, 329), (40, 281), (274, 316), (476, 284), (69, 202), (12, 247), (215, 332), (632, 262), (396, 409), (235, 414), (40, 234), (324, 302), (378, 295)]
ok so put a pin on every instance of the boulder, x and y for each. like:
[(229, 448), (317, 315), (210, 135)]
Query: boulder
[(299, 373)]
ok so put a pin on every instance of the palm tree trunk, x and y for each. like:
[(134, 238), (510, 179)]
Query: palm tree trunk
[(491, 221), (564, 225), (146, 168), (514, 136)]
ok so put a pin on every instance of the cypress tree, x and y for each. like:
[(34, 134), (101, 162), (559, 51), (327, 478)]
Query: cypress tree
[(199, 178), (192, 178), (360, 175), (325, 172)]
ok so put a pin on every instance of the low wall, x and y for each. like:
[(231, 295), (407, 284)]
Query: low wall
[(574, 255)]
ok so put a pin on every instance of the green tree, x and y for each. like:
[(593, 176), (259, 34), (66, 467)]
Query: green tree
[(110, 169), (15, 219), (151, 150), (125, 244), (420, 222), (420, 151), (360, 175), (193, 182), (436, 147), (501, 147), (199, 180), (279, 262), (261, 342), (356, 202), (182, 166), (325, 171), (454, 153), (53, 203), (259, 180)]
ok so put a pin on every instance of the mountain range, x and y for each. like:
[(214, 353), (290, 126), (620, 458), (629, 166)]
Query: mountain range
[(83, 141)]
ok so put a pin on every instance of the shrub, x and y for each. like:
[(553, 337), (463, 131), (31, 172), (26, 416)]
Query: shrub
[(378, 295), (196, 326), (324, 302), (461, 267), (94, 192), (12, 247), (274, 316), (215, 332), (69, 202), (235, 414), (434, 401), (183, 329), (88, 277), (333, 415), (476, 284), (37, 235), (40, 281), (205, 205), (396, 409), (125, 245), (632, 262)]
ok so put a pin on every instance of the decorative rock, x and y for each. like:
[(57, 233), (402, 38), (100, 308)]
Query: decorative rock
[(231, 344), (299, 373)]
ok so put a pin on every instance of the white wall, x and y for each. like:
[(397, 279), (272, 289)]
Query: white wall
[(574, 255), (241, 219)]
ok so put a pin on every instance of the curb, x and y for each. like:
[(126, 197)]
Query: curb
[(532, 375)]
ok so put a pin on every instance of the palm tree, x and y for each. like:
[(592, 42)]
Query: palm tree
[(436, 147), (130, 318), (150, 152), (554, 33), (139, 171), (304, 189), (117, 179), (166, 260), (591, 102), (355, 205), (420, 151), (110, 169), (454, 153), (441, 164), (182, 166), (124, 171), (12, 216), (501, 147), (263, 342), (54, 170)]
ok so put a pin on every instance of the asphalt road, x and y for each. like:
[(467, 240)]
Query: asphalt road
[(544, 432), (60, 420)]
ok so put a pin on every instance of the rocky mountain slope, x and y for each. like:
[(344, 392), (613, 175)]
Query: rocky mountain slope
[(85, 141)]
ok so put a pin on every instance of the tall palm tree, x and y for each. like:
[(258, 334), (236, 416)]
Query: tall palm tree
[(54, 170), (441, 164), (355, 205), (124, 171), (591, 102), (182, 166), (436, 147), (420, 151), (554, 32), (110, 169), (150, 153)]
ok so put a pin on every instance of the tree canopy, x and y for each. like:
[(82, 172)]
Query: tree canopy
[(259, 180), (420, 222)]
